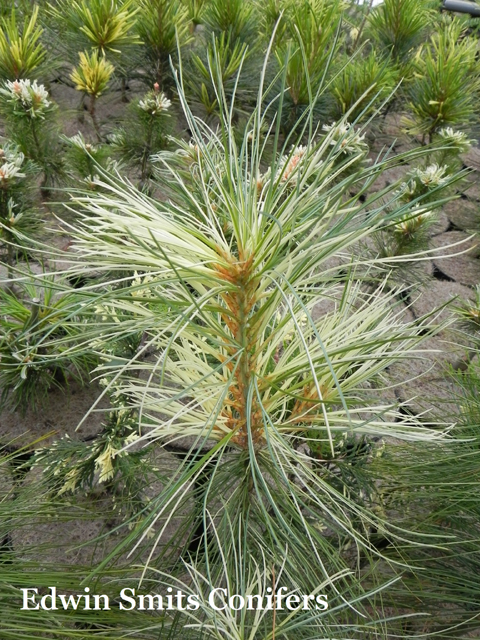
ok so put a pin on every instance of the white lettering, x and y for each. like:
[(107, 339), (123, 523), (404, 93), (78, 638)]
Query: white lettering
[(71, 601), (193, 603), (211, 599), (151, 607), (269, 599), (259, 604), (26, 598), (279, 597), (306, 600), (52, 595), (106, 602), (292, 599), (241, 602), (87, 599), (130, 600)]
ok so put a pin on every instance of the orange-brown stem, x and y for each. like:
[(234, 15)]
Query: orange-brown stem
[(244, 420)]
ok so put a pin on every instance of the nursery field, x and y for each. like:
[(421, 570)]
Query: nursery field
[(239, 320)]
